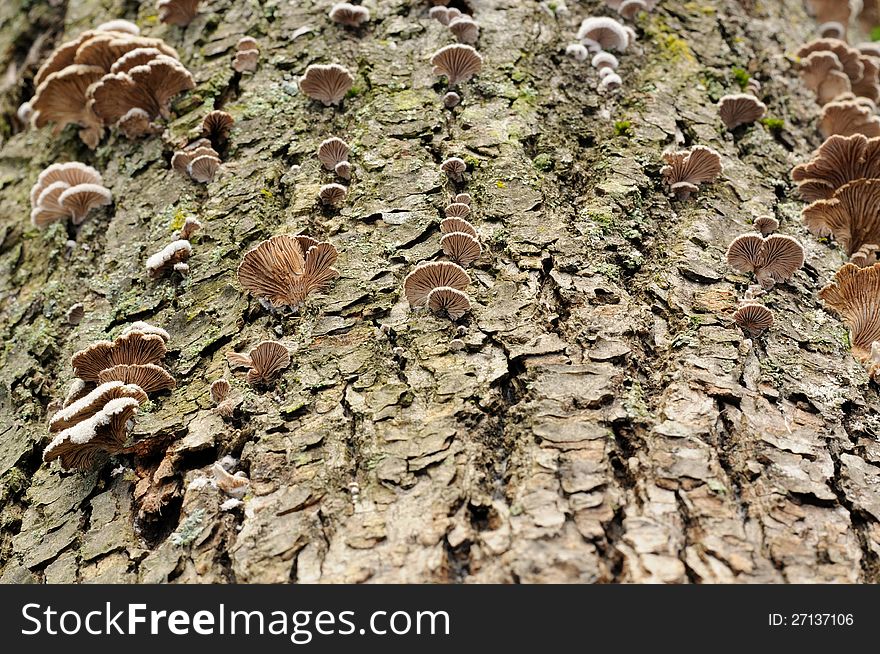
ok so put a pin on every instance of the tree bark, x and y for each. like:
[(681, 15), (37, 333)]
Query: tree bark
[(596, 417)]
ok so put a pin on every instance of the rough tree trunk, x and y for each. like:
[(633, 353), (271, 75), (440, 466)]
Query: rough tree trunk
[(602, 422)]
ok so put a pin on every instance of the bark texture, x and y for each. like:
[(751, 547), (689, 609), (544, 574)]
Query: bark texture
[(595, 418)]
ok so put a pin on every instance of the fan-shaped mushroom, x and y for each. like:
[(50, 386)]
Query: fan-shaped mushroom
[(247, 55), (851, 215), (150, 377), (454, 168), (848, 117), (451, 99), (265, 361), (132, 348), (332, 194), (865, 256), (740, 109), (766, 225), (754, 319), (146, 328), (458, 62), (177, 12), (854, 295), (327, 84), (839, 160), (448, 300), (461, 247), (348, 14), (823, 74), (68, 190), (772, 259), (173, 253), (87, 406), (221, 395), (333, 151), (428, 276), (233, 485), (465, 28), (217, 125), (604, 60), (603, 33), (457, 210), (687, 169), (450, 225), (62, 99)]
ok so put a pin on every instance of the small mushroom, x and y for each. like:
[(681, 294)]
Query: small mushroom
[(333, 151), (221, 395), (440, 14), (349, 15), (753, 318), (173, 253), (75, 313), (603, 33), (462, 198), (461, 247), (283, 271), (838, 161), (851, 215), (79, 200), (451, 99), (630, 8), (332, 194), (63, 98), (327, 84), (265, 361), (449, 301), (119, 25), (203, 168), (87, 406), (865, 256), (136, 123), (428, 276), (150, 377), (454, 168), (247, 55), (343, 170), (848, 117), (823, 74), (451, 225), (233, 485), (458, 62), (80, 447), (132, 348), (611, 81), (687, 169), (774, 259), (217, 125), (190, 227), (146, 328), (457, 210), (177, 12), (766, 225), (854, 295), (604, 60), (578, 51), (832, 30), (68, 190), (465, 29), (740, 109)]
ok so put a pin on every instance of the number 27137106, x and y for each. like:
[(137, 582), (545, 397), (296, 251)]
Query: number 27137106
[(810, 620)]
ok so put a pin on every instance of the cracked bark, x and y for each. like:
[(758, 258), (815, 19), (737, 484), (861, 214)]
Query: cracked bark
[(604, 421)]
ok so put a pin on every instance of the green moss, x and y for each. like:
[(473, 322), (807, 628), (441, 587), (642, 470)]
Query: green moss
[(266, 193), (623, 128), (543, 162), (773, 124), (741, 77), (178, 219), (355, 91), (875, 33)]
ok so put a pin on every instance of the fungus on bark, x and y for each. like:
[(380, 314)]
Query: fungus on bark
[(450, 225), (753, 318), (865, 256), (740, 109), (451, 99), (630, 8), (175, 252), (348, 14), (440, 14), (578, 51), (332, 194), (247, 55), (326, 84), (190, 227), (428, 276), (610, 81), (233, 485), (149, 376), (199, 161), (132, 348), (454, 167), (766, 225), (604, 60), (848, 117), (772, 259), (265, 361), (851, 215), (67, 190), (458, 62), (457, 210), (282, 271), (62, 99), (603, 33), (221, 395), (831, 30), (462, 198), (92, 403), (465, 29), (461, 247), (146, 328), (449, 301), (119, 25), (75, 314), (823, 74), (333, 151), (687, 169), (854, 295), (87, 442), (838, 161), (217, 125), (177, 12)]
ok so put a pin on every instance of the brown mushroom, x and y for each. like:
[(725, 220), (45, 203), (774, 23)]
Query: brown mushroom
[(428, 276), (348, 14), (465, 29), (687, 169), (332, 194), (766, 225), (175, 252), (265, 361), (327, 84), (451, 225), (603, 33), (454, 167), (332, 151), (839, 160), (851, 215), (461, 247), (772, 259), (131, 348), (854, 295), (753, 318), (449, 301), (87, 406), (177, 12), (150, 377), (740, 109), (88, 441), (847, 118), (457, 62)]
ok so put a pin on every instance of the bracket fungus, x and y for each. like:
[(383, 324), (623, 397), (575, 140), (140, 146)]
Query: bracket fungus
[(247, 55), (839, 160), (285, 269), (87, 406), (604, 60), (449, 301), (687, 169), (233, 485), (578, 51), (766, 225), (465, 29), (62, 98), (848, 117), (451, 99), (265, 361), (740, 109), (326, 84), (175, 252), (772, 259), (462, 198), (753, 318), (454, 167), (217, 125), (348, 14), (75, 313), (865, 256), (87, 442), (823, 74), (132, 348), (221, 395), (332, 194), (149, 376), (333, 151), (610, 81), (177, 12), (67, 190), (854, 295), (451, 225), (457, 210), (458, 62), (146, 328), (199, 161), (603, 33), (435, 274), (629, 9), (461, 247), (851, 215)]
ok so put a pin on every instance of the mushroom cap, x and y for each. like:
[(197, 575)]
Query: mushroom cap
[(146, 328), (848, 117), (233, 485), (629, 8), (62, 97), (609, 81), (203, 168), (132, 58), (461, 247), (82, 445), (869, 84), (217, 124), (327, 84), (782, 256), (343, 170), (851, 215), (455, 168), (695, 166), (75, 313), (839, 160), (131, 348), (744, 253), (457, 210), (173, 253), (150, 377), (440, 14), (333, 151), (136, 123), (220, 390), (87, 406), (578, 51), (455, 224), (246, 60), (604, 60), (182, 158), (177, 12), (247, 43), (451, 99), (740, 109), (348, 14), (332, 194), (279, 270), (48, 208), (105, 48), (848, 57), (465, 29), (832, 30), (606, 32), (119, 25), (458, 62), (82, 198), (71, 173), (753, 318), (268, 359), (463, 198), (428, 276), (448, 300), (766, 225), (854, 295), (190, 227), (163, 77), (865, 256)]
